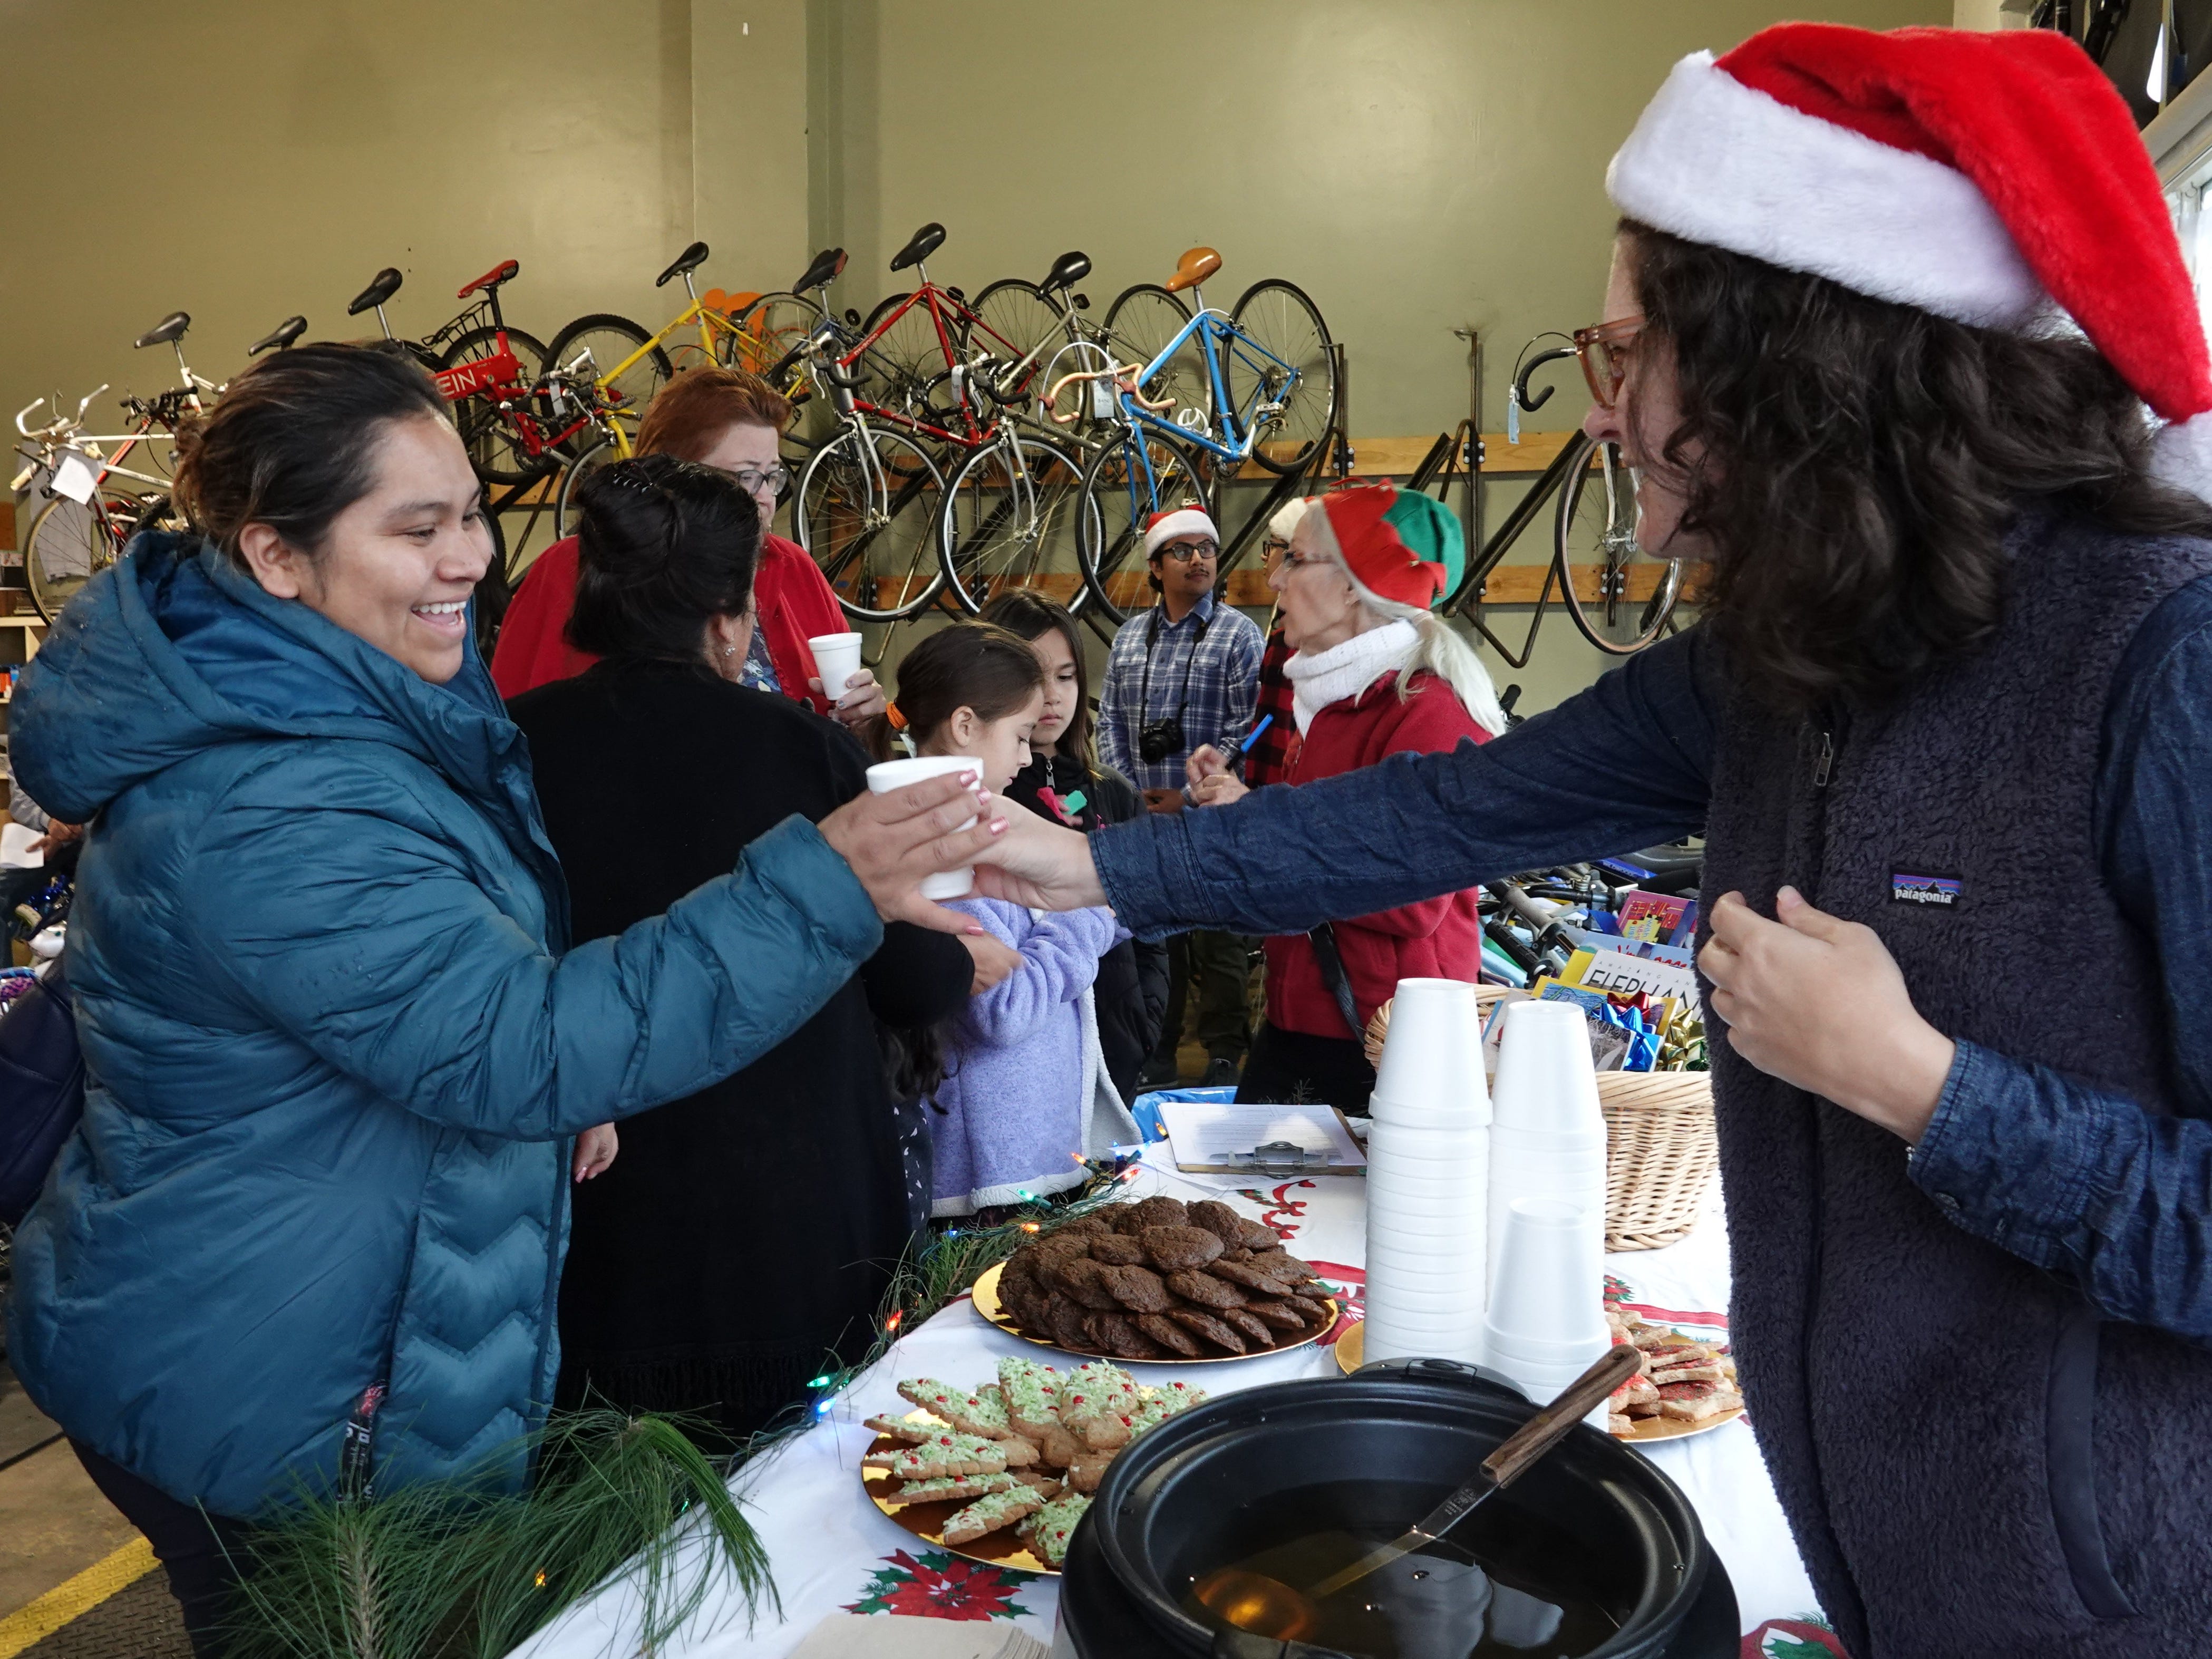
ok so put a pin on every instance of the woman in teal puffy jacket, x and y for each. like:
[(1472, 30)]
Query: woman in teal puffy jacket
[(335, 1049)]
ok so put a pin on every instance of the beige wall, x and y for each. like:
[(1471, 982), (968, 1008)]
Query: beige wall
[(1417, 165), (242, 160)]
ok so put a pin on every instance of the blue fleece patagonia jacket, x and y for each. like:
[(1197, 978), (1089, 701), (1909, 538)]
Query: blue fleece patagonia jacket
[(334, 1047)]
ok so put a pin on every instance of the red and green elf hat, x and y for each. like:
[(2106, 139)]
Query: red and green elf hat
[(1399, 544)]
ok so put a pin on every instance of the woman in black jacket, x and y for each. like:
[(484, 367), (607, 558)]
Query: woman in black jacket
[(742, 1242), (1065, 781)]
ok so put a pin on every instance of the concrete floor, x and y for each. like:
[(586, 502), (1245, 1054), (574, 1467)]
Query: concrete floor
[(54, 1524)]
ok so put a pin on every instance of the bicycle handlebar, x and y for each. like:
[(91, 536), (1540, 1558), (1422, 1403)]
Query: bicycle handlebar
[(22, 412), (1521, 381)]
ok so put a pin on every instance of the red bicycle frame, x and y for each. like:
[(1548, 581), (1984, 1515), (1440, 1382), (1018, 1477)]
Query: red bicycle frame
[(498, 378), (975, 432)]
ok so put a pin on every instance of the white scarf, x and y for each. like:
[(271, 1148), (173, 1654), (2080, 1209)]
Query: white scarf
[(1342, 671)]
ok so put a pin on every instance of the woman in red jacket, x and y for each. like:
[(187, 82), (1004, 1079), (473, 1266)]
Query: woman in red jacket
[(730, 420), (1373, 672)]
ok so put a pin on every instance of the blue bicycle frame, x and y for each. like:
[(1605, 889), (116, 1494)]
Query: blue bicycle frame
[(1236, 424)]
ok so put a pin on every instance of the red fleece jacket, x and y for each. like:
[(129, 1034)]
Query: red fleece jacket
[(1439, 937), (791, 596)]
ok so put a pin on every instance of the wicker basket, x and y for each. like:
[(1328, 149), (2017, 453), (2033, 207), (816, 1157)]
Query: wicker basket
[(1661, 1149)]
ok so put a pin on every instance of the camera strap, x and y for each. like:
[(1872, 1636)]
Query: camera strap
[(1331, 963), (1151, 643)]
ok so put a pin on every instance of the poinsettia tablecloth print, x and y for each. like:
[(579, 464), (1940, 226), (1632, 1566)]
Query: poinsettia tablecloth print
[(832, 1550)]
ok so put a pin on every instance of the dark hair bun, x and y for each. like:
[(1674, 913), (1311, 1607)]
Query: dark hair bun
[(662, 546)]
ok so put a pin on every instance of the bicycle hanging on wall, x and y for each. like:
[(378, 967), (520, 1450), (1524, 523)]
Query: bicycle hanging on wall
[(1619, 598), (1264, 389)]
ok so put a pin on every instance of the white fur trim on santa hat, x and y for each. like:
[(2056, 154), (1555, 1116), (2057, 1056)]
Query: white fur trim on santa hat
[(1715, 162), (2182, 455), (1183, 522)]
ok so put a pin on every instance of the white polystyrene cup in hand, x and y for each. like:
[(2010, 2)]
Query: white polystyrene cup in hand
[(1432, 1053), (1546, 1082), (836, 660), (886, 775), (1549, 1282)]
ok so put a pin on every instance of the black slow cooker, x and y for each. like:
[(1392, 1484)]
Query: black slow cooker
[(1410, 1430)]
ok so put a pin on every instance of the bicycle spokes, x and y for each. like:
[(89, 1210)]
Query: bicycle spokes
[(1619, 596)]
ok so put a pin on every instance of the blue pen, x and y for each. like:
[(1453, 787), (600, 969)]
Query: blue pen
[(1253, 736)]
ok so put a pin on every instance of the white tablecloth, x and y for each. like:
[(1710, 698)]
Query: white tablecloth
[(831, 1550)]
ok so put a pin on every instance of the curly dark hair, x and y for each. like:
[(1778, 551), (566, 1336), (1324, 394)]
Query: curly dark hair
[(1855, 465)]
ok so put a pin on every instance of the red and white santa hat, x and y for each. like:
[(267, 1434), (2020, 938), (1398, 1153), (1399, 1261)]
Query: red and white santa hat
[(1982, 177), (1189, 519)]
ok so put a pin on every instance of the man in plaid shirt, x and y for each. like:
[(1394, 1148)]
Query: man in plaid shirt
[(1186, 671)]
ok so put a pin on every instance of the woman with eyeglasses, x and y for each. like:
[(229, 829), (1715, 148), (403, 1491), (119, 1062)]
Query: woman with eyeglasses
[(732, 422), (1939, 429), (1373, 671)]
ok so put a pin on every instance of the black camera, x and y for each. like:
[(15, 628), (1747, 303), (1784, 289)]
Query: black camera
[(1159, 740)]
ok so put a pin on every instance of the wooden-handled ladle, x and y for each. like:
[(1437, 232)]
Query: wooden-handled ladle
[(1267, 1607)]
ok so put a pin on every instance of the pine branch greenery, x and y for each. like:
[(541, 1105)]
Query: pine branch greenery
[(445, 1571), (454, 1570)]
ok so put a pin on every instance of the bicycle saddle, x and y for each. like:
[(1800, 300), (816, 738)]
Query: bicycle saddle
[(691, 259), (1194, 268), (1066, 271), (827, 266), (502, 272), (171, 327), (926, 241), (279, 337), (380, 288)]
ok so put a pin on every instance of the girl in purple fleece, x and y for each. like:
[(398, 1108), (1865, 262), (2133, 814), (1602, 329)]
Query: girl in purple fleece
[(1026, 1097)]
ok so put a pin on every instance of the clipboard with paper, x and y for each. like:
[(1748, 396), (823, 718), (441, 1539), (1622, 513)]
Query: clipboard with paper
[(1224, 1138)]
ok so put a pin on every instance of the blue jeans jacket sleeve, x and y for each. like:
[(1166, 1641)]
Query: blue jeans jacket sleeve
[(2080, 1181), (1619, 766), (2051, 1169)]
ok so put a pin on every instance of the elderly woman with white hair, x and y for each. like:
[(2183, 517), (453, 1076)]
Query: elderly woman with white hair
[(1374, 671)]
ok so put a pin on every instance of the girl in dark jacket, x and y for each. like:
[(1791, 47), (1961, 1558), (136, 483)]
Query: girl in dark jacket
[(742, 1242), (1065, 781)]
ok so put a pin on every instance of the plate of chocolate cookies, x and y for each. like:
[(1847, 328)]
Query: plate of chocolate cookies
[(1158, 1281)]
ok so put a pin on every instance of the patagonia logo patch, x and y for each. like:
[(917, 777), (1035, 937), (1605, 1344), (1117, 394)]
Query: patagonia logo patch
[(1931, 892)]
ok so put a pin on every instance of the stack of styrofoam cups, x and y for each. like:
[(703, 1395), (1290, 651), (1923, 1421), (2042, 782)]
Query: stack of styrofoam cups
[(1547, 1135), (1428, 1178), (1546, 1320)]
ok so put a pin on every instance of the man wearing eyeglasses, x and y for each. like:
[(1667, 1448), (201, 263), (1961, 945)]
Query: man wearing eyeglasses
[(1180, 675), (733, 421)]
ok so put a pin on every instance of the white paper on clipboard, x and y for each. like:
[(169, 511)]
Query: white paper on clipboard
[(15, 852), (75, 475), (1213, 1136)]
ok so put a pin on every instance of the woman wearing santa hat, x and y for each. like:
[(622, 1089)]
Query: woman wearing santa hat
[(1946, 726)]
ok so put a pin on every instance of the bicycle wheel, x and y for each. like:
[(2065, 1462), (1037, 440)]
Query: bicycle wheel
[(1019, 319), (1010, 519), (1127, 482), (613, 340), (1140, 323), (72, 542), (495, 590), (494, 436), (866, 511), (767, 331), (1293, 410), (1624, 597), (907, 370), (572, 478)]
